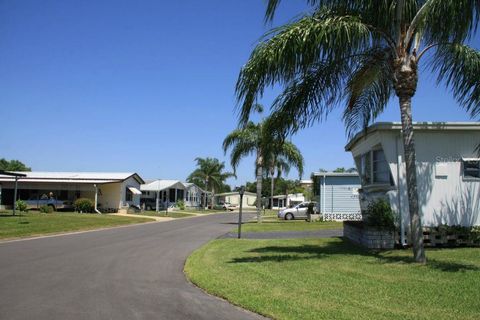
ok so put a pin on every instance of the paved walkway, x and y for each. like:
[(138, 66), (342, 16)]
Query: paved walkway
[(144, 216), (134, 272), (287, 234)]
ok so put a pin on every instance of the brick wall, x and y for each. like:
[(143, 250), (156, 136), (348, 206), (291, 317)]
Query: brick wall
[(369, 237)]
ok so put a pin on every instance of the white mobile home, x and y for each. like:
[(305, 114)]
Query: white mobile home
[(170, 191), (337, 195), (113, 191), (448, 171), (287, 201), (249, 199)]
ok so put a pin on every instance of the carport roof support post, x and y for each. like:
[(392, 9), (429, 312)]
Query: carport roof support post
[(17, 176)]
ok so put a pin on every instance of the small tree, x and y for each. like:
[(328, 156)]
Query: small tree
[(180, 205), (21, 206)]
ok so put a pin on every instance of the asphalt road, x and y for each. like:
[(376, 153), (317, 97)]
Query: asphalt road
[(134, 272)]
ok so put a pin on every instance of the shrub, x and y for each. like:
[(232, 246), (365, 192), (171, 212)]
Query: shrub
[(46, 209), (379, 214), (475, 234), (21, 206), (180, 204), (84, 205)]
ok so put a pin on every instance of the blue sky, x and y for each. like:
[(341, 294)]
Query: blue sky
[(147, 86)]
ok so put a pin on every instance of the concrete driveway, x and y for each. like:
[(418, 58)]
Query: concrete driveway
[(126, 273)]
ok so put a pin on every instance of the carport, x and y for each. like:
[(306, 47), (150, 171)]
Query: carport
[(16, 176), (167, 191)]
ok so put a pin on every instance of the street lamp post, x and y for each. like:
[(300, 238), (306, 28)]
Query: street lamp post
[(241, 192), (264, 202)]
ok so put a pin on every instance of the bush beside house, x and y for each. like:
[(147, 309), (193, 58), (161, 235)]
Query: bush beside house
[(84, 205)]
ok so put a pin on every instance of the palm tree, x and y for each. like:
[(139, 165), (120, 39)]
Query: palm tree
[(210, 174), (246, 141), (257, 139), (360, 54), (280, 159)]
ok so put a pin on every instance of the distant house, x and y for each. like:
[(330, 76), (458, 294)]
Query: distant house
[(287, 201), (306, 183), (113, 191), (448, 171), (171, 191), (337, 195), (249, 199)]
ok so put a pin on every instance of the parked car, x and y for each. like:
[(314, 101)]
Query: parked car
[(229, 206), (36, 203), (297, 212)]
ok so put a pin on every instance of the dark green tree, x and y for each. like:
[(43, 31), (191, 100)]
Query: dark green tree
[(13, 165)]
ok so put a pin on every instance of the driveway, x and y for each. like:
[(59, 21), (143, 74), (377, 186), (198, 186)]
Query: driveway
[(134, 272)]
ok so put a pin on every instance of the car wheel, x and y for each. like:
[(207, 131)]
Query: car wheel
[(289, 216), (52, 206)]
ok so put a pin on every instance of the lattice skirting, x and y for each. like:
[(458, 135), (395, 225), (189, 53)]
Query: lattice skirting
[(342, 216)]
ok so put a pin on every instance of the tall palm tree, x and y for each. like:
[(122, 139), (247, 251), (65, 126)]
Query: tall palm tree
[(249, 140), (210, 172), (259, 140), (360, 54), (281, 158)]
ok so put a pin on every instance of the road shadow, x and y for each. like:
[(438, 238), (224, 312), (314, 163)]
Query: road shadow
[(345, 248)]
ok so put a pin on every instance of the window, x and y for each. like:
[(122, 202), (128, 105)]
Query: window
[(471, 168), (381, 171), (365, 171), (128, 195), (374, 168)]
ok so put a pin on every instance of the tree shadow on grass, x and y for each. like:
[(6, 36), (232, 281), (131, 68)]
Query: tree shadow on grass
[(345, 248), (445, 266), (303, 252), (10, 215)]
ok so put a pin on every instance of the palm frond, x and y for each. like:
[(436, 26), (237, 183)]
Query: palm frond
[(295, 48), (272, 6), (245, 136), (369, 89), (310, 97), (290, 155), (444, 21), (458, 66)]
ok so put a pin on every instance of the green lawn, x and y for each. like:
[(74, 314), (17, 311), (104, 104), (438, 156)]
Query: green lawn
[(32, 224), (171, 214), (334, 279), (274, 224)]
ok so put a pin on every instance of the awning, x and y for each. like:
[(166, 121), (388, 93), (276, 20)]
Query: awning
[(134, 190)]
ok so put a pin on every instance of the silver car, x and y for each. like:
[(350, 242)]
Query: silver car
[(297, 212)]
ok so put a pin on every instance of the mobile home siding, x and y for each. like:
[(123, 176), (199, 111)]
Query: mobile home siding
[(445, 196), (338, 197)]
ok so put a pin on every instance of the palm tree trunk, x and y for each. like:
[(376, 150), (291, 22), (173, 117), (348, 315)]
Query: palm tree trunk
[(409, 151), (272, 185), (406, 78), (213, 197), (259, 186), (206, 194)]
